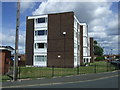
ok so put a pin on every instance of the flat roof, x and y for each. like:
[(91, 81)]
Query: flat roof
[(50, 13), (44, 15), (8, 48)]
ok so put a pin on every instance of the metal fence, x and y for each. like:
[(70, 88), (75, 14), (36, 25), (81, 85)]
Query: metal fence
[(48, 72)]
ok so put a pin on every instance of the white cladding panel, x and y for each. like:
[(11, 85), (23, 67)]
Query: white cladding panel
[(85, 33), (40, 64), (76, 42), (35, 17), (41, 25), (85, 52), (40, 39), (85, 41), (75, 24), (88, 46), (75, 61), (88, 51)]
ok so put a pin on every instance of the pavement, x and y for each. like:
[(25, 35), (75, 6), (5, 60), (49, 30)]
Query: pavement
[(57, 80)]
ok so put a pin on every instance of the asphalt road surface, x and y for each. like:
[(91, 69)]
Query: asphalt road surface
[(98, 80), (108, 82)]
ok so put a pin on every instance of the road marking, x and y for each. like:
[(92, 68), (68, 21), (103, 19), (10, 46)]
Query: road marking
[(57, 83)]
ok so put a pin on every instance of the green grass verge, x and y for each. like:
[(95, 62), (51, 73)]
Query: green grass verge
[(39, 72)]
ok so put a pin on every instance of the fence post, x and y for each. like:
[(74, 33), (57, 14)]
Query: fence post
[(110, 66), (117, 66), (95, 69), (52, 71), (19, 72), (107, 66), (77, 70)]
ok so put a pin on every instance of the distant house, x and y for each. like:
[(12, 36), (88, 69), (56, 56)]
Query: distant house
[(21, 59), (111, 57), (5, 58)]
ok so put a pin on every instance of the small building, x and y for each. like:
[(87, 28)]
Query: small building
[(56, 40), (21, 59), (5, 58)]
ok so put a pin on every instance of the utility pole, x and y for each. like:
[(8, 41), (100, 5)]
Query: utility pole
[(15, 68)]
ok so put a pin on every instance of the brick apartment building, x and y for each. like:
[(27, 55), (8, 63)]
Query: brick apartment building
[(58, 40), (5, 58)]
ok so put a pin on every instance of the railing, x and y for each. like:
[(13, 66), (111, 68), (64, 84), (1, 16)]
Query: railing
[(48, 72)]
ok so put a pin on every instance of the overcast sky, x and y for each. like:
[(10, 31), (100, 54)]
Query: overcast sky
[(101, 17)]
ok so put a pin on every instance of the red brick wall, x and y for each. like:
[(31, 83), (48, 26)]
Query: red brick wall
[(58, 44), (91, 49), (2, 58), (5, 57)]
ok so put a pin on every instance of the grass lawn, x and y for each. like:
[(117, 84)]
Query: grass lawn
[(103, 66), (39, 72)]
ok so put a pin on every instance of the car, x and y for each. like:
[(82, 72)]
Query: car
[(116, 63)]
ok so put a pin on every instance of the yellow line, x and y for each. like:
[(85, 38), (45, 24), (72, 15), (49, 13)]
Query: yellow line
[(57, 83)]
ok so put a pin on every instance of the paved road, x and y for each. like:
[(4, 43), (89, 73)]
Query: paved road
[(111, 82), (109, 79)]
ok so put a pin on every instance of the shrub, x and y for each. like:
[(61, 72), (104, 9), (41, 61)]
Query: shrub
[(99, 58)]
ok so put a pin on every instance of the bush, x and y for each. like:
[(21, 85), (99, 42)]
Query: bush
[(99, 58)]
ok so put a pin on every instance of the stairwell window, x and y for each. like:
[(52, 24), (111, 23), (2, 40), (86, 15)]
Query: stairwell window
[(40, 45), (41, 20), (40, 32), (39, 58)]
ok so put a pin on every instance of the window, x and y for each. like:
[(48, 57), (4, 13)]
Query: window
[(40, 32), (40, 20), (84, 59), (87, 60), (39, 58), (40, 45)]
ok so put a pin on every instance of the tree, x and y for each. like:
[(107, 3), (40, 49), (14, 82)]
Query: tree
[(97, 49)]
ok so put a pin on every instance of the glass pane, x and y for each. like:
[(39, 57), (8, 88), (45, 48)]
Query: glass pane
[(41, 20), (41, 32), (40, 58), (40, 45)]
